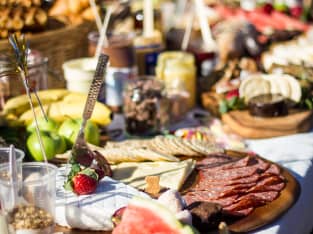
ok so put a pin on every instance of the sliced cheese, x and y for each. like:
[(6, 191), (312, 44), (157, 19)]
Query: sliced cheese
[(282, 84), (295, 88), (172, 174), (254, 86)]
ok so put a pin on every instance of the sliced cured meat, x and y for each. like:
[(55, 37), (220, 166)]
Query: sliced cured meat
[(273, 169), (234, 173), (273, 187), (264, 196), (243, 212), (261, 18), (291, 23), (222, 188), (263, 185), (201, 196), (213, 161), (245, 180), (237, 164), (245, 203)]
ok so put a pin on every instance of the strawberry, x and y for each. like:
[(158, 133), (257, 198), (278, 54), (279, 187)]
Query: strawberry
[(296, 11), (267, 8), (84, 184), (232, 93)]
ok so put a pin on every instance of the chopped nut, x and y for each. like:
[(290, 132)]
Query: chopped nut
[(29, 217)]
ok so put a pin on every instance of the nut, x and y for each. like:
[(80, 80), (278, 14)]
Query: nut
[(29, 217)]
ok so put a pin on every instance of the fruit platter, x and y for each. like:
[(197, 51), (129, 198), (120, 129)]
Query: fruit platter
[(153, 132)]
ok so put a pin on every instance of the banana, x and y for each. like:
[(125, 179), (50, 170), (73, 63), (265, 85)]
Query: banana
[(59, 104), (20, 104), (60, 111)]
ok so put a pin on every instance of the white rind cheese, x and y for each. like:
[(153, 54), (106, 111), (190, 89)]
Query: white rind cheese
[(172, 174)]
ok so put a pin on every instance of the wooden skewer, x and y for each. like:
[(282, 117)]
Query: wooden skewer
[(188, 31), (206, 33), (103, 40), (148, 24), (96, 13)]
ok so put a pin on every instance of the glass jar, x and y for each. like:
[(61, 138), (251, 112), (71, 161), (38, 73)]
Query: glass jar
[(37, 74), (145, 107)]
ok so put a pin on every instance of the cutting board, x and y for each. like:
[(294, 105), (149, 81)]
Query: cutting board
[(259, 217), (248, 126)]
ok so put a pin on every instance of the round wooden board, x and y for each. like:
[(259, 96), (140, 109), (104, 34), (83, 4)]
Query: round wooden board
[(248, 126), (261, 216), (264, 215)]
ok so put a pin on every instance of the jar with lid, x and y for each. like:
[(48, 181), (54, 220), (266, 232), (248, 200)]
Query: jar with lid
[(145, 107), (122, 66)]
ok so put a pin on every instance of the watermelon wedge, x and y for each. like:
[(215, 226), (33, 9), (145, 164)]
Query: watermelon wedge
[(143, 216)]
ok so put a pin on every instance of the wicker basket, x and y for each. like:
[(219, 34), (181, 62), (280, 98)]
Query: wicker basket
[(59, 46)]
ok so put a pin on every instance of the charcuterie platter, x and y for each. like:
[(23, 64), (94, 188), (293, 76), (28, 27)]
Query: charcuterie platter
[(258, 217)]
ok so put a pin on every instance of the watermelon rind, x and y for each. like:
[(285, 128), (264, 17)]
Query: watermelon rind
[(161, 211), (189, 230)]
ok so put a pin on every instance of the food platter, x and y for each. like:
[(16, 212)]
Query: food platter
[(266, 214), (259, 217), (242, 123)]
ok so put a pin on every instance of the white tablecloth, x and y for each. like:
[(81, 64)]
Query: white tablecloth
[(296, 154)]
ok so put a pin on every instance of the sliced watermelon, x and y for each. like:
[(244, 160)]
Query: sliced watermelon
[(144, 216)]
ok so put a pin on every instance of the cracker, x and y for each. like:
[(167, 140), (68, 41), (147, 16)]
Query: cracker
[(184, 149), (152, 185)]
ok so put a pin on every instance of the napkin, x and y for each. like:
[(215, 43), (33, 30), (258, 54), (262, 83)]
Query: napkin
[(94, 211)]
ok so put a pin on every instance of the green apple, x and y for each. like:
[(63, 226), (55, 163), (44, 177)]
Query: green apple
[(69, 130), (280, 6), (53, 144), (44, 125)]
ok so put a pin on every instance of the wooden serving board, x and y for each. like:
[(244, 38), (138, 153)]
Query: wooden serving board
[(259, 217), (248, 126)]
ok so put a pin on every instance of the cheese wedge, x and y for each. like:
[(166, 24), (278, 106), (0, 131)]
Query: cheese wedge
[(172, 174)]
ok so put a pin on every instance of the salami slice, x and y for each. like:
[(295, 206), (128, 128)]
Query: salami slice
[(201, 196), (264, 196), (273, 169), (265, 184), (237, 164), (222, 188), (230, 174), (243, 212), (213, 161), (245, 203)]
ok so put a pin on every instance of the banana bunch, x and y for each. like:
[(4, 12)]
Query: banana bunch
[(59, 105)]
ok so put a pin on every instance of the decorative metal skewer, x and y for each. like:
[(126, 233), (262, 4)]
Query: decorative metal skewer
[(21, 50)]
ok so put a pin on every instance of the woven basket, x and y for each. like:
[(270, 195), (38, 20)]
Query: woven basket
[(59, 46)]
